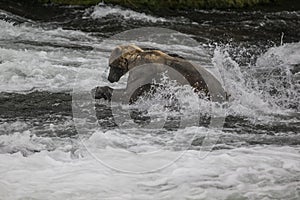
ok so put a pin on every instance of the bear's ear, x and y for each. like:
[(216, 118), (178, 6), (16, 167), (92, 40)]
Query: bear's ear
[(133, 47), (115, 54)]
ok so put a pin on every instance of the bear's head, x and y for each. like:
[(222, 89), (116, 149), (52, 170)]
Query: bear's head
[(120, 59)]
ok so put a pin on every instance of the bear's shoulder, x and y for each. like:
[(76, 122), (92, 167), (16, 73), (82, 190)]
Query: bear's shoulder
[(159, 52)]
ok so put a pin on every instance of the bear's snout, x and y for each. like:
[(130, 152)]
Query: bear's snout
[(115, 74), (111, 78)]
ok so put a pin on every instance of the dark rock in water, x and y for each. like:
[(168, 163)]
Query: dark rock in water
[(34, 104)]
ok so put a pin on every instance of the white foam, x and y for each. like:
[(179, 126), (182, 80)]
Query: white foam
[(103, 10), (287, 54), (248, 172), (29, 61), (20, 136), (31, 32), (23, 70)]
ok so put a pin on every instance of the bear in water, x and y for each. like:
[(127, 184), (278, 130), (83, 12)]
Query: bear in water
[(125, 58)]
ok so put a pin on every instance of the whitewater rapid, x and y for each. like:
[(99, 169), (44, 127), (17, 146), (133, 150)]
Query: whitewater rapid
[(256, 155)]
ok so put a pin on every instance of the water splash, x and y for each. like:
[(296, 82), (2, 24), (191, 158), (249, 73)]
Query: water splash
[(268, 85)]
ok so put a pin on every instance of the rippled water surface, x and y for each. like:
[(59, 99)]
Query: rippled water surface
[(47, 53)]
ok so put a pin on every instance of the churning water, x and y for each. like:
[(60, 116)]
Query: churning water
[(256, 55)]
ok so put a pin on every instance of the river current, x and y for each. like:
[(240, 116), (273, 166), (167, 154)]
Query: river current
[(48, 52)]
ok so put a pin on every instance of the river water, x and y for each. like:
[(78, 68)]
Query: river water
[(44, 155)]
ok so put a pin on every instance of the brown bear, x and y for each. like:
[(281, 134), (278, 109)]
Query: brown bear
[(125, 58)]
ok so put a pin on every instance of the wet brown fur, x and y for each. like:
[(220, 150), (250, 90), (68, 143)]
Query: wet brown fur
[(127, 57)]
